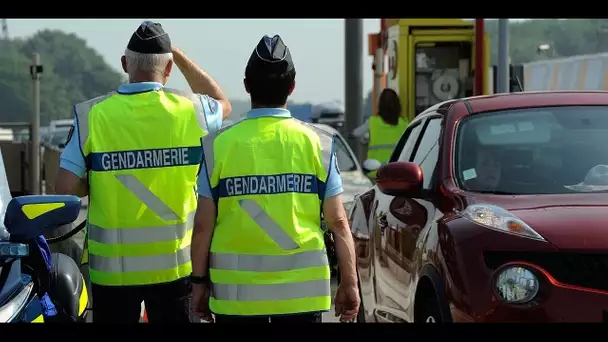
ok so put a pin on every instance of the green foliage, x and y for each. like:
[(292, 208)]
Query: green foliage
[(73, 72), (567, 37)]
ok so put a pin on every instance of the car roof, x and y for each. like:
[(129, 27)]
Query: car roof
[(325, 128), (525, 99), (330, 130)]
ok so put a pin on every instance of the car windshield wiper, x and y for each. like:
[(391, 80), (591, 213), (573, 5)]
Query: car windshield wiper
[(495, 192)]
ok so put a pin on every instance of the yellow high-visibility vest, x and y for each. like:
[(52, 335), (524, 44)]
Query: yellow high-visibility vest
[(268, 254), (383, 138), (143, 153)]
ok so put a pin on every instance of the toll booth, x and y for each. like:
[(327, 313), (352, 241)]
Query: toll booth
[(431, 61)]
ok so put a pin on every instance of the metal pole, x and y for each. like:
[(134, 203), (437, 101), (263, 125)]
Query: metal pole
[(353, 79), (378, 73), (480, 51), (503, 56), (35, 71)]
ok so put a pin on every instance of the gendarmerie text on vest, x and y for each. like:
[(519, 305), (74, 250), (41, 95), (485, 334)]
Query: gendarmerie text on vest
[(269, 184), (112, 161)]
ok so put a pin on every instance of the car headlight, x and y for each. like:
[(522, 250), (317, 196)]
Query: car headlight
[(497, 218), (516, 285)]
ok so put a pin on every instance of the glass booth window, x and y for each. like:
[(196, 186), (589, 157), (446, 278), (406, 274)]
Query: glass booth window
[(442, 73)]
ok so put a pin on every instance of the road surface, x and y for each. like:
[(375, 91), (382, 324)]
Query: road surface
[(77, 247)]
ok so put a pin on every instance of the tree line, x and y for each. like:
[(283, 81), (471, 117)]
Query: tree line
[(74, 71)]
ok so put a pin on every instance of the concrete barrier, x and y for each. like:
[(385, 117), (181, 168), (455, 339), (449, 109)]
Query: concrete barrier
[(50, 166), (16, 161)]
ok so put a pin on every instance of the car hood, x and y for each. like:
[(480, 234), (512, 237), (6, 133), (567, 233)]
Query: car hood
[(354, 183), (569, 222)]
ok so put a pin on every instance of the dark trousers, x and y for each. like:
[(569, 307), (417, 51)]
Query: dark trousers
[(312, 317), (165, 303)]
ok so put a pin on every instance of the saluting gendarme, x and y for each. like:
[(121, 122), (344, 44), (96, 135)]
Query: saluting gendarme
[(140, 147)]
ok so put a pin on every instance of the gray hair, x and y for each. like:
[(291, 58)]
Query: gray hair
[(149, 63)]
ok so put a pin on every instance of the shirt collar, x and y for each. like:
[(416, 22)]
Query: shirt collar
[(139, 87), (274, 112)]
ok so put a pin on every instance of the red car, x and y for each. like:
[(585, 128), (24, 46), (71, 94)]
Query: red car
[(491, 209)]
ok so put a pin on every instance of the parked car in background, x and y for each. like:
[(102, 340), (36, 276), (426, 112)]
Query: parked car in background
[(491, 209), (354, 182), (329, 113), (6, 134), (352, 173)]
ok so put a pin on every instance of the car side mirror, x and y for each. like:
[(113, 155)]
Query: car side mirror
[(371, 165), (28, 217), (400, 179)]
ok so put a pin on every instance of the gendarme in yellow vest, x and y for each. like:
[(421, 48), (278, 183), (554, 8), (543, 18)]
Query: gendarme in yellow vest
[(268, 254), (383, 138), (143, 152)]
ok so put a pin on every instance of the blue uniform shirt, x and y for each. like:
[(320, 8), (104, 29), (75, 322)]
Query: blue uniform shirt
[(333, 186), (71, 157)]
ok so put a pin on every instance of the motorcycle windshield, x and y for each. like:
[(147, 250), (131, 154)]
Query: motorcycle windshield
[(5, 197)]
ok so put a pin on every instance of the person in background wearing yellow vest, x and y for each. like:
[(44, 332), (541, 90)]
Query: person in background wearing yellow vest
[(141, 148), (384, 129), (262, 258)]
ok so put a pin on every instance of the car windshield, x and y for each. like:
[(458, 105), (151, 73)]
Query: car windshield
[(345, 161), (548, 150)]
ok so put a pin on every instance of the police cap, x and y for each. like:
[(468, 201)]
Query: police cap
[(270, 57), (150, 38)]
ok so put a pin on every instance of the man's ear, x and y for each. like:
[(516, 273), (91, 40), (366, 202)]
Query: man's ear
[(246, 86), (293, 86), (168, 69), (123, 61)]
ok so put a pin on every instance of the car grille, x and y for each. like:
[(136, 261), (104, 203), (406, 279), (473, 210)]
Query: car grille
[(584, 270)]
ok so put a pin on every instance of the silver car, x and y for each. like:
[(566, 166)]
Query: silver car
[(353, 176), (354, 182)]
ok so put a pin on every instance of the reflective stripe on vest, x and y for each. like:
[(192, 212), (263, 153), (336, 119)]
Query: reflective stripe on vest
[(144, 239), (382, 147), (285, 275)]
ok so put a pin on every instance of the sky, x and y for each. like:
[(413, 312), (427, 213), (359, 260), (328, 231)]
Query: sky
[(222, 47)]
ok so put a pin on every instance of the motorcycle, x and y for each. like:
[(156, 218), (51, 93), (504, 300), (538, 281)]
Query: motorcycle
[(36, 285)]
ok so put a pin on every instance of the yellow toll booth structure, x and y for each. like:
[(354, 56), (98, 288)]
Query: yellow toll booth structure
[(431, 61)]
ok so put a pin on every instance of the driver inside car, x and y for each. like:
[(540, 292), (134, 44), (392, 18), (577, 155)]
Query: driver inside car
[(486, 174)]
